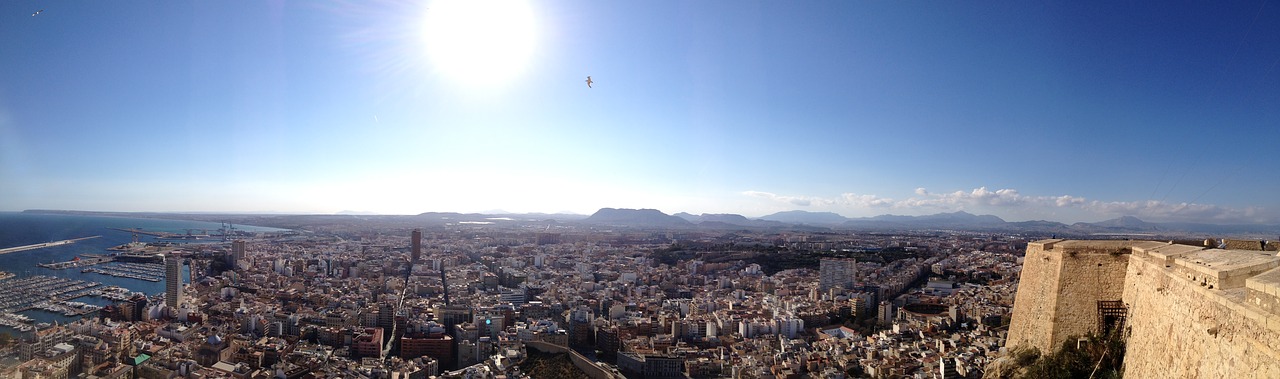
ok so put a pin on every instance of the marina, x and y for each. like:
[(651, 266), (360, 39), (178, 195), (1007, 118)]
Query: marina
[(66, 308), (44, 282), (17, 295), (16, 321), (112, 293)]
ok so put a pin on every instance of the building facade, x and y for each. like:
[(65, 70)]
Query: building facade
[(173, 282), (837, 273)]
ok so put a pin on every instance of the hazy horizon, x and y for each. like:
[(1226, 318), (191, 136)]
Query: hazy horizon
[(498, 212), (1075, 112)]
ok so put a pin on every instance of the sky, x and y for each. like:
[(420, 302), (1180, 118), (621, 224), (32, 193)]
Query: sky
[(1078, 111)]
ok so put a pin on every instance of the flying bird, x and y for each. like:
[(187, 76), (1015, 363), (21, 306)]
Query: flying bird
[(588, 81), (37, 12)]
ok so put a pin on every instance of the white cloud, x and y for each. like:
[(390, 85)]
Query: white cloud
[(844, 200), (868, 201), (1068, 200), (802, 201)]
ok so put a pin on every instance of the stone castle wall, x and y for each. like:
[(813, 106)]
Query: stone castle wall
[(1060, 286), (1192, 312), (1091, 274), (1034, 304), (1180, 329)]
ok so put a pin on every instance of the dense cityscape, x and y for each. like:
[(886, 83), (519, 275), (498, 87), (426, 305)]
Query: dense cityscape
[(413, 189), (540, 298)]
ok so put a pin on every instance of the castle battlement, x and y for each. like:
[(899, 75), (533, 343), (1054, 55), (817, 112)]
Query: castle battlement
[(1263, 291), (1167, 252), (1223, 269), (1186, 311)]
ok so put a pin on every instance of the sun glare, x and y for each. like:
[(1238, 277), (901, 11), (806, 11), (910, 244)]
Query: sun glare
[(480, 42)]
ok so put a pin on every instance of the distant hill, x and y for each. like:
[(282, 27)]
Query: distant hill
[(806, 217), (452, 216), (687, 216), (1040, 226), (729, 221), (541, 216), (357, 213), (956, 220), (636, 218)]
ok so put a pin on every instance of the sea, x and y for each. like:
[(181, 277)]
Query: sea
[(21, 228)]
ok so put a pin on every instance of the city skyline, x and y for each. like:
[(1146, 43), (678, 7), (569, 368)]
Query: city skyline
[(1066, 112)]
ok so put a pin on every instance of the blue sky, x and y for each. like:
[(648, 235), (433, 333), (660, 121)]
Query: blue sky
[(1068, 112)]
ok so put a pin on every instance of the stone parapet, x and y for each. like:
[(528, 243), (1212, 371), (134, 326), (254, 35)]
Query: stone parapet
[(1166, 253), (1180, 329), (1189, 311), (1264, 291), (1224, 269), (1256, 245), (1071, 247)]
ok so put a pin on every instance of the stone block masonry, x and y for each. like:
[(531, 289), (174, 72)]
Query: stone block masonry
[(1191, 312), (1060, 287), (1179, 328)]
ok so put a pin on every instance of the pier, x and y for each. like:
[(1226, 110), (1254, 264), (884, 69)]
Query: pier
[(43, 245), (89, 261), (146, 233)]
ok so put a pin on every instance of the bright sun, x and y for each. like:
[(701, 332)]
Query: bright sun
[(480, 42)]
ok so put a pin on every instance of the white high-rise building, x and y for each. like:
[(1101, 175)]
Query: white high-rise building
[(172, 282), (789, 326), (837, 273)]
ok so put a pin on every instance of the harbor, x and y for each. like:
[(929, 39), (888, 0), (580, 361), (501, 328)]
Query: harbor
[(17, 322), (66, 308), (56, 296), (17, 295), (48, 282)]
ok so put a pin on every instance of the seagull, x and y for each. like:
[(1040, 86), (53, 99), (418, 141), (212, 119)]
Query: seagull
[(588, 81), (37, 12)]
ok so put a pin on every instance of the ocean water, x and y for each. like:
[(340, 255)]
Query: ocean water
[(19, 229)]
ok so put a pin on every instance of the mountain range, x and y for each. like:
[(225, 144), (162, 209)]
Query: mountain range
[(960, 220), (789, 220)]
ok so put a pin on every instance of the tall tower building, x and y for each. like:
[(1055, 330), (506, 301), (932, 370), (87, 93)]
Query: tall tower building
[(837, 273), (237, 251), (417, 245), (172, 281)]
